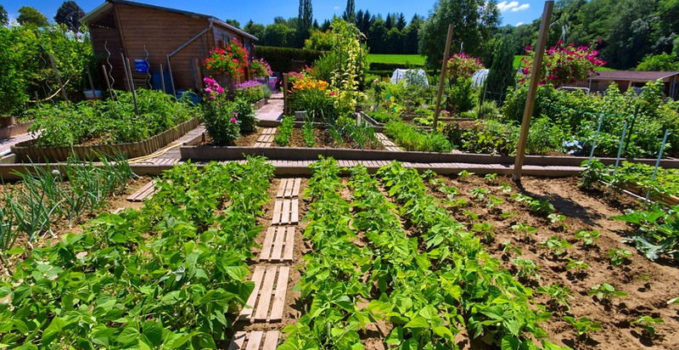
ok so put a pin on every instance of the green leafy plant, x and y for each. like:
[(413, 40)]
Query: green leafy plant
[(285, 129), (558, 293), (619, 257), (479, 192), (524, 228), (526, 268), (308, 134), (647, 324), (464, 174), (588, 238), (490, 178), (408, 137), (605, 291), (577, 265), (556, 245), (583, 326)]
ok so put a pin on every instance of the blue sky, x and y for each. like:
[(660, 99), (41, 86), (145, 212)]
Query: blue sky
[(263, 11)]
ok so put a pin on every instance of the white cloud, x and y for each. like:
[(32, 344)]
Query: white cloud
[(512, 6), (336, 8), (519, 24)]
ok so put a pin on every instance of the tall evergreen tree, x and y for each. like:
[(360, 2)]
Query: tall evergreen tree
[(69, 13), (389, 22), (4, 19), (401, 21), (29, 16), (350, 12), (502, 74), (304, 21)]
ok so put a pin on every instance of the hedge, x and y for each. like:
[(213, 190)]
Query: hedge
[(377, 66), (286, 59)]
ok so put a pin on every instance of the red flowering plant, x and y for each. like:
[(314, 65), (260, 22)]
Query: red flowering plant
[(219, 114), (462, 66), (260, 68), (231, 60), (563, 64)]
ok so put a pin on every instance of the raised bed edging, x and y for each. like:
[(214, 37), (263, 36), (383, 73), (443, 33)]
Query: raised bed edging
[(207, 153), (259, 104), (15, 129), (25, 151)]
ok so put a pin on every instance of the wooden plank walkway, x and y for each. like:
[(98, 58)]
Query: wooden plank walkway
[(285, 211), (266, 137), (255, 340), (267, 301), (143, 193), (279, 244), (289, 188), (387, 143)]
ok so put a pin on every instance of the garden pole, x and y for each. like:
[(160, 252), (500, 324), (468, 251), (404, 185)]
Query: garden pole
[(442, 78), (108, 83), (89, 78), (162, 78), (532, 90), (53, 63), (657, 162), (622, 141), (596, 139)]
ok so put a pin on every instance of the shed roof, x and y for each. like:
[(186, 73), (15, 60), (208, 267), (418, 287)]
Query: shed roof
[(106, 6), (634, 76)]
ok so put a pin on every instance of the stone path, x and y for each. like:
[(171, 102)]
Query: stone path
[(271, 111), (6, 144)]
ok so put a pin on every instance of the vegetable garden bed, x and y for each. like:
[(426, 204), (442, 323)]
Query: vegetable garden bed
[(397, 259), (28, 151)]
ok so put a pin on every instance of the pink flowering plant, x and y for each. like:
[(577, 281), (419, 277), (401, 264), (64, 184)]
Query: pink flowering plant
[(563, 64), (462, 66), (220, 115), (260, 68)]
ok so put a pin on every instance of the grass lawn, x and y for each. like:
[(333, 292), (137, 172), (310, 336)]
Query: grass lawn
[(417, 60)]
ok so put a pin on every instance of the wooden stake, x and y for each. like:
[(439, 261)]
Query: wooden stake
[(162, 78), (53, 63), (532, 90), (442, 78)]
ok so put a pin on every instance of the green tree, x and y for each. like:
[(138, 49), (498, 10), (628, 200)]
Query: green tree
[(474, 20), (376, 36), (4, 19), (255, 29), (401, 22), (304, 21), (350, 12), (29, 16), (410, 41), (631, 33), (393, 41), (661, 62), (233, 22), (502, 74), (279, 34), (69, 14)]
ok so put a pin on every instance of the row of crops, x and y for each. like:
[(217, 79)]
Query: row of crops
[(170, 275), (427, 285)]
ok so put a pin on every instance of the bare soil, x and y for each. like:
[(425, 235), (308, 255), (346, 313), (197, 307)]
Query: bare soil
[(649, 285)]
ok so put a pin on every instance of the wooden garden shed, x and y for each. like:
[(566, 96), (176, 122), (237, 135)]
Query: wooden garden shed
[(600, 81), (177, 40)]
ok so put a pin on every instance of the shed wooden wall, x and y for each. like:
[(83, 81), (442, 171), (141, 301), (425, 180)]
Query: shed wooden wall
[(104, 34), (160, 33)]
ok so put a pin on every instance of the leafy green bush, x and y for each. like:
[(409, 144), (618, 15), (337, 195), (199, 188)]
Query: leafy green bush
[(285, 59), (408, 137), (489, 136), (246, 116), (461, 96), (109, 121), (284, 133), (318, 104), (220, 121)]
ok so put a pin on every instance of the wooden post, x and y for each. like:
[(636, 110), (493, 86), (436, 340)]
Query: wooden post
[(130, 82), (108, 83), (162, 78), (89, 78), (285, 93), (442, 78), (53, 63), (532, 90)]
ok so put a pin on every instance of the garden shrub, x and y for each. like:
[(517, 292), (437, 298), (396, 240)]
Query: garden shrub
[(314, 97), (461, 96), (489, 136), (109, 121), (252, 91), (219, 115), (284, 59), (245, 114), (408, 137)]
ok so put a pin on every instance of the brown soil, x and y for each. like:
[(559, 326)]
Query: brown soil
[(649, 285)]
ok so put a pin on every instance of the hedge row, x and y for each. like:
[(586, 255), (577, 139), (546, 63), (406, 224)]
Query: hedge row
[(285, 59), (392, 66)]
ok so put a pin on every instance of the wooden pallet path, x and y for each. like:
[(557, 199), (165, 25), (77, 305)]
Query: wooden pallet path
[(143, 193), (255, 340), (279, 244), (387, 143), (267, 301), (289, 188), (266, 137), (285, 212)]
